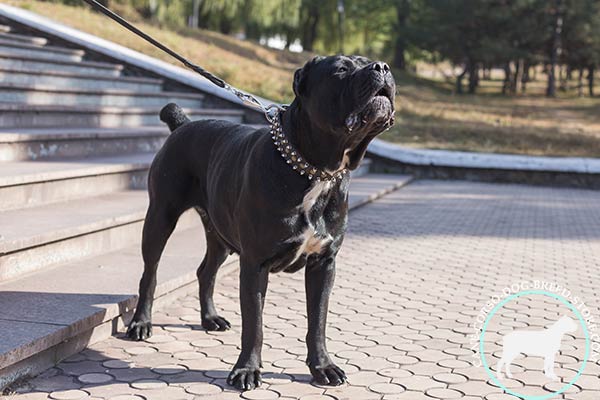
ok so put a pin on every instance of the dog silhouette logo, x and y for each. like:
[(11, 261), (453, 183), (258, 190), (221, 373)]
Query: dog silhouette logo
[(541, 343)]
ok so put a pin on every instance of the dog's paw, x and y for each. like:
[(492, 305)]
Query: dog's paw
[(139, 330), (329, 374), (245, 378), (215, 323), (552, 376)]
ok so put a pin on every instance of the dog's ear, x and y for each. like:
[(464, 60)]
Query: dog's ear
[(301, 74)]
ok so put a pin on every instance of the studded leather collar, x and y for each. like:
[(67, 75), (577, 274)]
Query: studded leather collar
[(295, 159)]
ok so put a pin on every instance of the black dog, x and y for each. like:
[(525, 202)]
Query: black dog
[(278, 213)]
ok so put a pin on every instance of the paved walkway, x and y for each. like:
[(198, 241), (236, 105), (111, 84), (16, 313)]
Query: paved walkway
[(415, 271)]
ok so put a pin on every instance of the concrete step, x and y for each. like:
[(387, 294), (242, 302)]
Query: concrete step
[(72, 143), (31, 62), (50, 94), (38, 183), (47, 52), (34, 116), (84, 302), (76, 80), (40, 41), (61, 310), (36, 238)]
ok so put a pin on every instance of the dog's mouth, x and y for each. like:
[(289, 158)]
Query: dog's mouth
[(386, 92), (377, 110)]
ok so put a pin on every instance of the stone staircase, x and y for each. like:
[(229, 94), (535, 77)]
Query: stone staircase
[(78, 132)]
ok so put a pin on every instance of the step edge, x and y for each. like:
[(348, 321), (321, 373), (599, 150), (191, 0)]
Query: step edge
[(56, 49), (96, 170), (23, 38), (24, 107), (115, 92), (8, 137), (83, 63), (66, 74), (54, 236)]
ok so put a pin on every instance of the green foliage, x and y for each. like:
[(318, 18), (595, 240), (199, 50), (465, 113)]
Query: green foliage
[(472, 34)]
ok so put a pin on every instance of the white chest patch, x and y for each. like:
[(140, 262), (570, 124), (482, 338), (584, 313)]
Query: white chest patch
[(310, 243), (310, 198)]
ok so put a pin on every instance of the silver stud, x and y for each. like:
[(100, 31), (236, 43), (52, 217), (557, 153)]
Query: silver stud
[(302, 172), (310, 176), (306, 165), (294, 167), (318, 179), (289, 161)]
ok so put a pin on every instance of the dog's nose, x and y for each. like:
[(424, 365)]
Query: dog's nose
[(380, 67)]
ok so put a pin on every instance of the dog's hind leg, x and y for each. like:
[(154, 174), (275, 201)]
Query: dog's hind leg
[(216, 253), (549, 367), (508, 373), (158, 226), (499, 368)]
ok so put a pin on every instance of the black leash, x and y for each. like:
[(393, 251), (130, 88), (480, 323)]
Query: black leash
[(245, 97)]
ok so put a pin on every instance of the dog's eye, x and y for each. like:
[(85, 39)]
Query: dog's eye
[(342, 69)]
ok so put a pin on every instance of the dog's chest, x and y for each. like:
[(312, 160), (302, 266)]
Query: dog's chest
[(314, 233)]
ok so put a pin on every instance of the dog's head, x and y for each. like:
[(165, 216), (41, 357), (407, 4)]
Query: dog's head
[(567, 324), (347, 96)]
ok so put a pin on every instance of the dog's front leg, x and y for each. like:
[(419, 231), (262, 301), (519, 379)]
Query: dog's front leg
[(253, 286), (549, 367), (319, 282)]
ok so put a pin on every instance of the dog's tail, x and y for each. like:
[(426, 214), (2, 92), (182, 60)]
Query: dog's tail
[(173, 116)]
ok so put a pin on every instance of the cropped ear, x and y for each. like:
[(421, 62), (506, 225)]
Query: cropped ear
[(300, 75)]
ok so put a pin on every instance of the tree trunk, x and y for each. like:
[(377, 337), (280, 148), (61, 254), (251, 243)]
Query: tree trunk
[(473, 77), (563, 78), (310, 23), (556, 31), (580, 83), (402, 11), (525, 77), (459, 79), (517, 76), (507, 74), (591, 70)]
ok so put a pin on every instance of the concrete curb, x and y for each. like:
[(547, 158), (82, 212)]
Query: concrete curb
[(554, 171)]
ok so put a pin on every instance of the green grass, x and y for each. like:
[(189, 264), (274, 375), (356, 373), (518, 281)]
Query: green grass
[(429, 114)]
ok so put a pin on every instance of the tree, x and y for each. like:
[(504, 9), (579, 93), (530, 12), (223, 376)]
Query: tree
[(402, 13), (557, 22)]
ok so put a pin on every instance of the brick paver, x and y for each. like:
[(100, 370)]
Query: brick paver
[(416, 268)]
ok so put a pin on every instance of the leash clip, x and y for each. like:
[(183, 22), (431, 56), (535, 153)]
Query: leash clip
[(272, 112)]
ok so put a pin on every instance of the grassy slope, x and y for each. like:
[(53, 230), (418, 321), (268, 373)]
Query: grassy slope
[(429, 115)]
